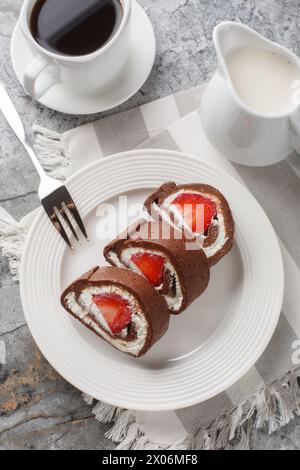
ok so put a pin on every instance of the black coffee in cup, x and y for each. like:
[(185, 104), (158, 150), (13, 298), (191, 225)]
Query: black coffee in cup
[(75, 27)]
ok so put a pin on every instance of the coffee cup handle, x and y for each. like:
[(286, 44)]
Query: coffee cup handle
[(36, 67)]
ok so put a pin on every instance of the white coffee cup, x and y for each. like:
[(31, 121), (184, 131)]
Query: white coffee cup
[(82, 74)]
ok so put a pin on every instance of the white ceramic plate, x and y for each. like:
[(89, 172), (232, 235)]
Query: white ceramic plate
[(127, 83), (207, 348)]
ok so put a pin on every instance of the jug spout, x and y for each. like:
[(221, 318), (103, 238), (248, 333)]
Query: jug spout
[(229, 36)]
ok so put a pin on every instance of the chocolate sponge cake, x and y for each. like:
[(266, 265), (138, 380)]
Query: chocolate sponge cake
[(119, 306), (201, 211), (159, 253)]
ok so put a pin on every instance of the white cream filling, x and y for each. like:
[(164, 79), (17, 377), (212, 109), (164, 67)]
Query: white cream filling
[(174, 303), (85, 309), (165, 209)]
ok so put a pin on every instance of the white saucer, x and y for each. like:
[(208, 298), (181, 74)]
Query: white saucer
[(129, 81)]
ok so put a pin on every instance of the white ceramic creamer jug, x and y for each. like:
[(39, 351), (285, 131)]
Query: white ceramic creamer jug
[(250, 109)]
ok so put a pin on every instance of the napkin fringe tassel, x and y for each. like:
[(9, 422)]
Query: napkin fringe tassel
[(270, 408), (52, 152)]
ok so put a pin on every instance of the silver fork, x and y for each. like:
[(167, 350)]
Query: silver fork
[(54, 196)]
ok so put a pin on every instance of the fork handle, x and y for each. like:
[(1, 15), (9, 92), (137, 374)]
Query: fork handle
[(12, 117)]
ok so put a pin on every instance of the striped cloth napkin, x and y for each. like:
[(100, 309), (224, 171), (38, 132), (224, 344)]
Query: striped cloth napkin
[(268, 395)]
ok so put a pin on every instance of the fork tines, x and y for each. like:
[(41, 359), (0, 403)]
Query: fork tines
[(60, 208)]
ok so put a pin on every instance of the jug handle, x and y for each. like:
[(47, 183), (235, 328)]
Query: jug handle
[(295, 130)]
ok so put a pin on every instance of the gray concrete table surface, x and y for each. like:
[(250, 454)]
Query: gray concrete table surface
[(38, 409)]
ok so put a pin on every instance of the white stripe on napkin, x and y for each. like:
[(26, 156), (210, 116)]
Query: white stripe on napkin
[(6, 218), (2, 353), (82, 146), (190, 138), (160, 114)]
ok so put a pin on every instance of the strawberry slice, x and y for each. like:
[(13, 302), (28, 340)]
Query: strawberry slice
[(151, 265), (197, 210), (115, 310)]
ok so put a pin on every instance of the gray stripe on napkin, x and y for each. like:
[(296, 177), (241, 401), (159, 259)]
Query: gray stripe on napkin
[(278, 355), (163, 140), (247, 385), (294, 161), (277, 189), (189, 100), (121, 132), (199, 414)]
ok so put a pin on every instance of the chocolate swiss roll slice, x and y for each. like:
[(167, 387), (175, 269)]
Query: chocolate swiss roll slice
[(119, 306), (201, 211), (160, 254)]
